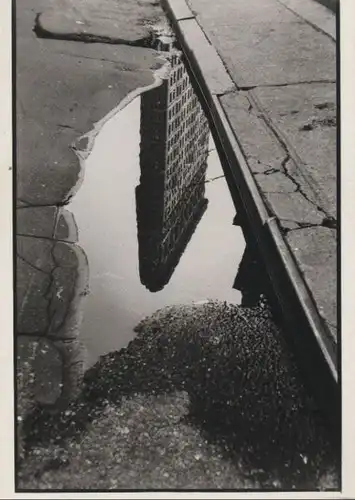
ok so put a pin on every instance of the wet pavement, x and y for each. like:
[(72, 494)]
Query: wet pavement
[(185, 386), (121, 265)]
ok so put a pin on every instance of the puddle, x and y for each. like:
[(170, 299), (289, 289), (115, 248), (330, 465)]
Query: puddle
[(155, 215), (158, 225)]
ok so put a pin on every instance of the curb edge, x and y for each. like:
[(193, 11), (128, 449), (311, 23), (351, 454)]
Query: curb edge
[(267, 231)]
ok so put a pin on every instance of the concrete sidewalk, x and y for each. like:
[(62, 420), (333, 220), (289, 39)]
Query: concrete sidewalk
[(267, 71), (63, 89)]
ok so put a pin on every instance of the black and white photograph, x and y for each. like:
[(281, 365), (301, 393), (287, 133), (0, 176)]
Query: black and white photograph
[(176, 182)]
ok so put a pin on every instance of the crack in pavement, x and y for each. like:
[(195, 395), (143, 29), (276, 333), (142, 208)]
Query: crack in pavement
[(32, 265), (39, 205), (269, 171), (27, 205), (306, 225), (50, 291), (330, 323), (261, 115), (246, 88), (306, 21), (299, 189), (62, 125), (45, 336), (47, 238), (282, 193)]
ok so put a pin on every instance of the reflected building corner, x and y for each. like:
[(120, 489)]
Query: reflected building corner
[(170, 198)]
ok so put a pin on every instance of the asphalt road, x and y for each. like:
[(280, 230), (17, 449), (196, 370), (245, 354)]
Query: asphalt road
[(63, 88)]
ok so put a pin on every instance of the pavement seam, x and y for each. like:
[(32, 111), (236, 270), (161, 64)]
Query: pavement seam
[(307, 21), (298, 186), (47, 238), (44, 336), (241, 87), (288, 84), (32, 265), (40, 205)]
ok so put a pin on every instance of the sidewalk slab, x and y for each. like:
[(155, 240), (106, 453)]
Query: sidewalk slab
[(305, 118), (315, 251), (264, 43), (315, 13), (277, 130), (266, 156), (283, 112), (32, 304), (36, 221)]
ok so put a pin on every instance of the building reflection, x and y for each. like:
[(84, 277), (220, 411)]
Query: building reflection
[(251, 279), (248, 279), (173, 160)]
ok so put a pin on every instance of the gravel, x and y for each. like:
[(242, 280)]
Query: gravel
[(206, 396)]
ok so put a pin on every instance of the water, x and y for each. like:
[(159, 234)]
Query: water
[(162, 243), (155, 218)]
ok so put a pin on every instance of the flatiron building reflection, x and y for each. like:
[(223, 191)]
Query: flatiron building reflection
[(173, 161)]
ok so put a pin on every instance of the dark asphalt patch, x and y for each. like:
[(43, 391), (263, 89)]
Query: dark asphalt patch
[(244, 391)]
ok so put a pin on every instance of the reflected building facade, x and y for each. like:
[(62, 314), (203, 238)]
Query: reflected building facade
[(173, 160)]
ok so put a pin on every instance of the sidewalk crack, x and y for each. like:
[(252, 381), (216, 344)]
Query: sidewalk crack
[(40, 205), (47, 238), (246, 88), (283, 167), (298, 186), (306, 225), (306, 21), (32, 265)]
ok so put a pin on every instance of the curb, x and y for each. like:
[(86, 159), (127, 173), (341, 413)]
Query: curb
[(316, 350)]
